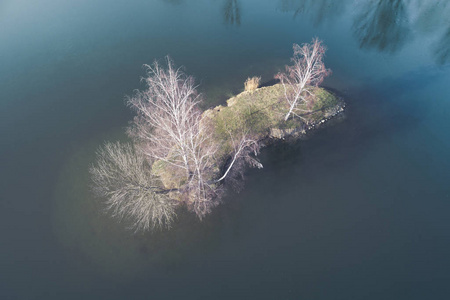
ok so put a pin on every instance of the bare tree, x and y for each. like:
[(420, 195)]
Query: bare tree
[(168, 118), (122, 176), (170, 128), (171, 131), (202, 193), (243, 147), (307, 70)]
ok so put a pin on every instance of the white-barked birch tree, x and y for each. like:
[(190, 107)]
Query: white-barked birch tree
[(308, 70)]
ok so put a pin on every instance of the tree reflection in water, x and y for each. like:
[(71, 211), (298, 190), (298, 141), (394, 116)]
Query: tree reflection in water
[(319, 11), (442, 51), (174, 2), (382, 25), (231, 12), (433, 17)]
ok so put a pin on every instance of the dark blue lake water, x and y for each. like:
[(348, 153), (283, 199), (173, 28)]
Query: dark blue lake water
[(359, 210)]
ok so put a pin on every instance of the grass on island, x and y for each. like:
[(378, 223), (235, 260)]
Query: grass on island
[(259, 112)]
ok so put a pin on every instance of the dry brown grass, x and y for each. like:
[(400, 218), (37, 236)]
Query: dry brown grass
[(251, 84)]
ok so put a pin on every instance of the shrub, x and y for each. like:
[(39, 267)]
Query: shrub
[(251, 84)]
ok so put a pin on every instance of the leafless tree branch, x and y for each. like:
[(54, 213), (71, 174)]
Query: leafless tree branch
[(307, 70), (170, 128), (122, 177)]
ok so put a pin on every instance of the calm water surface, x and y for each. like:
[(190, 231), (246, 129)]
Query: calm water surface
[(359, 210)]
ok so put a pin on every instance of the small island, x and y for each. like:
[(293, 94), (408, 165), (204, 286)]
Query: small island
[(180, 155)]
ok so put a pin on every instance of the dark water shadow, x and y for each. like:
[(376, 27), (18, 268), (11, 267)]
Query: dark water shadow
[(270, 82)]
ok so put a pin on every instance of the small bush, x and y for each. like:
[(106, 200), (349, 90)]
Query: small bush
[(251, 84)]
